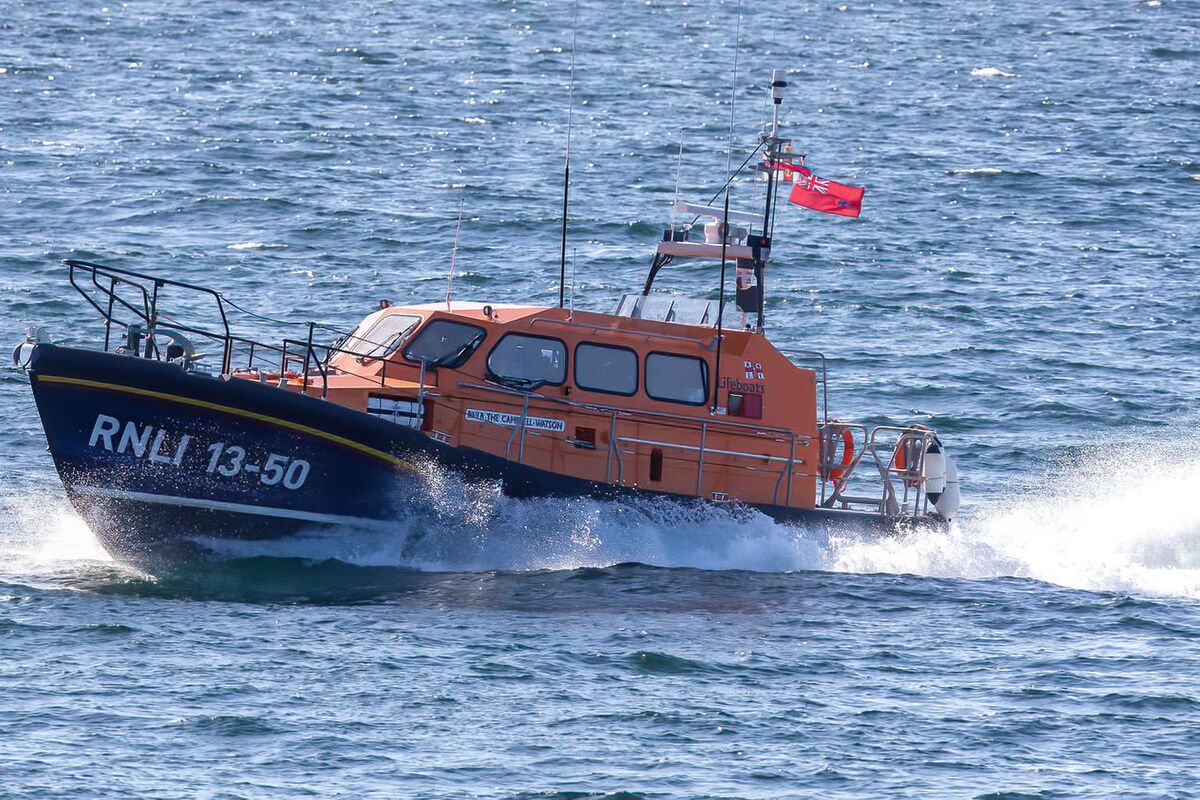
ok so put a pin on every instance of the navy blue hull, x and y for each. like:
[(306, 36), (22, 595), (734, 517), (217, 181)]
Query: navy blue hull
[(151, 455), (154, 458)]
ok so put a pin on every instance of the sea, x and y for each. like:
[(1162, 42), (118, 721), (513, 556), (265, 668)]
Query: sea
[(1023, 278)]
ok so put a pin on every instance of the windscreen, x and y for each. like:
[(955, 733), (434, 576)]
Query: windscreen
[(444, 343), (381, 337)]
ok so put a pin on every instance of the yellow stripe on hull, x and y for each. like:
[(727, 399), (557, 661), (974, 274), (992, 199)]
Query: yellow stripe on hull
[(236, 412)]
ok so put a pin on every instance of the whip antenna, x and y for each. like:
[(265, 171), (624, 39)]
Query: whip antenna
[(454, 254), (678, 168), (737, 46), (571, 315), (562, 262), (720, 308)]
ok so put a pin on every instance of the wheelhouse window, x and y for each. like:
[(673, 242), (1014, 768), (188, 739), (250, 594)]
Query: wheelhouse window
[(528, 360), (380, 338), (606, 368), (444, 343), (677, 379)]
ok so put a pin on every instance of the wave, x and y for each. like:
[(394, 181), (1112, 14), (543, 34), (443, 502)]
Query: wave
[(992, 72), (977, 171), (256, 246), (1111, 518), (1108, 519)]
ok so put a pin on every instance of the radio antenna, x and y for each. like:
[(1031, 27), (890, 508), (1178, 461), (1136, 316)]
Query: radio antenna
[(571, 315), (678, 169), (562, 263), (716, 396), (454, 253), (737, 46)]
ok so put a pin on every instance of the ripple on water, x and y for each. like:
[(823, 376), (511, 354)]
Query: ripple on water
[(1014, 279)]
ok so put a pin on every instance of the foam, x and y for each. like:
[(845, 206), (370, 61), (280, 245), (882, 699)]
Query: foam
[(1113, 519), (40, 532), (992, 72)]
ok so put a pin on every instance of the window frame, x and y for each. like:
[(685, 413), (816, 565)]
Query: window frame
[(704, 376), (458, 362), (637, 368), (378, 351), (501, 378)]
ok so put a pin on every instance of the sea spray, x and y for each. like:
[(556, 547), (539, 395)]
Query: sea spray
[(1108, 518)]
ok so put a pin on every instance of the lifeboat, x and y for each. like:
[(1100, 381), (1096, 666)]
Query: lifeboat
[(173, 433)]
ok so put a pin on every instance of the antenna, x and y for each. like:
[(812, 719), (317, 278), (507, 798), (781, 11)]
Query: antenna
[(562, 264), (571, 315), (737, 46), (678, 168), (778, 88), (454, 253), (720, 309)]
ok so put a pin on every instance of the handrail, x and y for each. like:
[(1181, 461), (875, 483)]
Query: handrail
[(912, 477), (149, 314), (824, 376), (633, 411), (781, 435), (615, 329)]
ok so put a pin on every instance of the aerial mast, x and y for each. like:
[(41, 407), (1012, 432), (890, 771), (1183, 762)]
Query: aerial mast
[(778, 87)]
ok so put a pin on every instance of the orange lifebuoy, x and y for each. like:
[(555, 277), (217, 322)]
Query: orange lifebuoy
[(837, 473), (900, 461)]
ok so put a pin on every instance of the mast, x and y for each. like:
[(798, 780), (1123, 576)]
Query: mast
[(762, 244), (778, 86)]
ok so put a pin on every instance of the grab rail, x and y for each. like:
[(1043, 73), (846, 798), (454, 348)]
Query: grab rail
[(107, 281), (780, 435), (788, 354)]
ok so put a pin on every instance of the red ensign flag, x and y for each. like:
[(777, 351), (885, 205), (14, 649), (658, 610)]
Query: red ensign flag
[(827, 196)]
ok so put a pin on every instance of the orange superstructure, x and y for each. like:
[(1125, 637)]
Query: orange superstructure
[(758, 442)]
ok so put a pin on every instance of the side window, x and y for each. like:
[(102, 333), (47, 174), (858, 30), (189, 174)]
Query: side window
[(519, 358), (444, 343), (605, 368), (678, 379)]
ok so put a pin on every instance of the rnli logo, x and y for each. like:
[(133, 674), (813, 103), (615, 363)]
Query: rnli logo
[(754, 370)]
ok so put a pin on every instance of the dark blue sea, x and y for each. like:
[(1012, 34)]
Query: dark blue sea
[(1023, 278)]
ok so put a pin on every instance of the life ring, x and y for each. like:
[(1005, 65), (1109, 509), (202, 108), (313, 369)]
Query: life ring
[(900, 460), (837, 473)]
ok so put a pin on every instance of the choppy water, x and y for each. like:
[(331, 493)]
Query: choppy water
[(1023, 278)]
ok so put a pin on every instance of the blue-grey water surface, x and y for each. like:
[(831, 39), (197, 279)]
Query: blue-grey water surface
[(1023, 278)]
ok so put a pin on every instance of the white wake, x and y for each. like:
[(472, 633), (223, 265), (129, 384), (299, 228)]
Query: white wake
[(1112, 519)]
